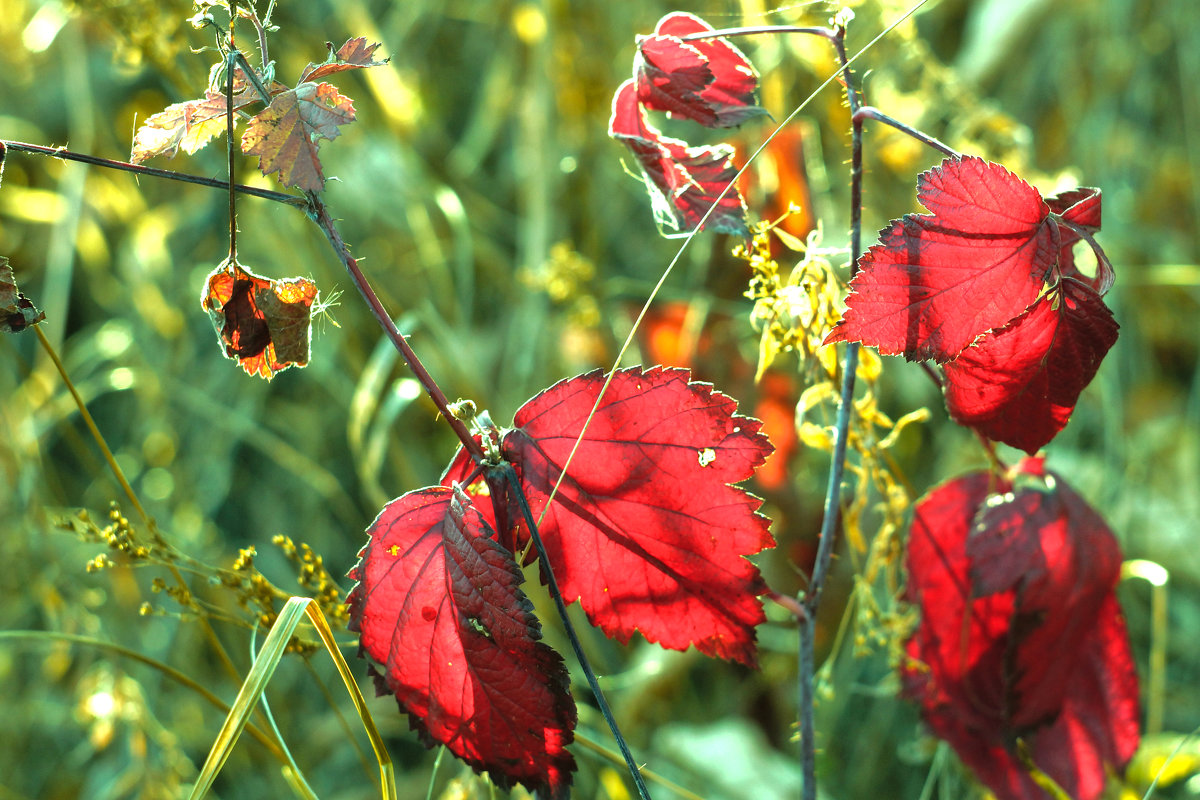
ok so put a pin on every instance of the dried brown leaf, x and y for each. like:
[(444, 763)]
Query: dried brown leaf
[(16, 311), (354, 54), (284, 134)]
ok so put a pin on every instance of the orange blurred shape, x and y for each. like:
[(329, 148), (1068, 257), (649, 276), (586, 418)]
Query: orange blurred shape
[(672, 334), (777, 409), (777, 181)]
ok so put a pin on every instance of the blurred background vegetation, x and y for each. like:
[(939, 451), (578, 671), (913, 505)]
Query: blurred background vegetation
[(493, 216)]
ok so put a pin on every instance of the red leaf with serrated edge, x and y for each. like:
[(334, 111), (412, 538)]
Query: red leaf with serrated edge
[(684, 182), (936, 282), (647, 530), (284, 134), (1019, 384), (440, 611), (1020, 633), (706, 80), (263, 324), (354, 54)]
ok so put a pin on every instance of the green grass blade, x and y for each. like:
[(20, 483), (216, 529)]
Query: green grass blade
[(255, 683), (387, 775), (252, 688)]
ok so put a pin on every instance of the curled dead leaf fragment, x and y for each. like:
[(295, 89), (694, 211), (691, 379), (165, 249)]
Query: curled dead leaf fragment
[(263, 324), (17, 312)]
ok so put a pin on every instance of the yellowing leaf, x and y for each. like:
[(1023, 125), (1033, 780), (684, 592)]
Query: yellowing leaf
[(283, 135), (188, 125)]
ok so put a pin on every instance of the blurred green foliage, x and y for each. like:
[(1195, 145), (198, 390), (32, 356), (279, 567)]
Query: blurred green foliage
[(493, 217)]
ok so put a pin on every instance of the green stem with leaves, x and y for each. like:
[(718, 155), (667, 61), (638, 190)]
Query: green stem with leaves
[(810, 600)]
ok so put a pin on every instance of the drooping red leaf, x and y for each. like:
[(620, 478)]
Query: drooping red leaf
[(17, 312), (1020, 633), (1019, 384), (683, 182), (284, 134), (936, 282), (440, 611), (354, 54), (647, 530), (265, 325), (706, 80)]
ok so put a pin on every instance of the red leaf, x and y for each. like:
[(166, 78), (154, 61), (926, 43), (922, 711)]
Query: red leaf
[(936, 282), (1020, 632), (647, 530), (284, 134), (706, 80), (265, 325), (1019, 384), (354, 54), (683, 182), (440, 609)]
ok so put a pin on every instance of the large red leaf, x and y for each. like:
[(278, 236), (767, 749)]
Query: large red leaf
[(647, 530), (1020, 633), (684, 182), (440, 610), (936, 282), (1019, 384), (706, 80)]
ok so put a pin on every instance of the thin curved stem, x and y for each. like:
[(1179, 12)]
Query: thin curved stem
[(870, 112), (119, 475), (230, 60), (811, 599), (152, 172), (552, 585), (752, 30), (169, 671), (319, 214)]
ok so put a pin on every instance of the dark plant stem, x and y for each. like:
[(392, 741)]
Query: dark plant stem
[(870, 112), (827, 33), (230, 60), (251, 76), (319, 214), (138, 169), (316, 210), (810, 600), (552, 585)]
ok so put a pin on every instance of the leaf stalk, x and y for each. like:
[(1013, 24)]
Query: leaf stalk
[(552, 585), (810, 600)]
